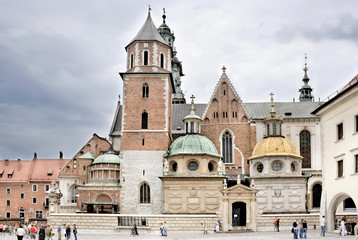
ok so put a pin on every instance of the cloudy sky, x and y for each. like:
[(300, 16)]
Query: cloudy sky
[(59, 60)]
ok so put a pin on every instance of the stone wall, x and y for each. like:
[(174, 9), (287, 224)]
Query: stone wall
[(110, 221), (265, 222)]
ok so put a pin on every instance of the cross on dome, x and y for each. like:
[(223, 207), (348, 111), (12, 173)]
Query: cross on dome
[(224, 69)]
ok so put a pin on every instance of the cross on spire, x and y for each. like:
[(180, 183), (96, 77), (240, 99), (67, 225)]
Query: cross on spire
[(149, 9), (224, 69)]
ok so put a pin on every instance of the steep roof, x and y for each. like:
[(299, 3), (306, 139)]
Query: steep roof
[(47, 169), (179, 111), (117, 121), (148, 32), (19, 170)]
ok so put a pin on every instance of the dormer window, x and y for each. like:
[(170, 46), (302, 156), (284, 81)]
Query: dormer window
[(9, 175)]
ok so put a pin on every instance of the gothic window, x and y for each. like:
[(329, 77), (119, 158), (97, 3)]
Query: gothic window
[(131, 61), (227, 148), (144, 193), (162, 60), (73, 194), (145, 90), (305, 148), (316, 195), (144, 120), (145, 62)]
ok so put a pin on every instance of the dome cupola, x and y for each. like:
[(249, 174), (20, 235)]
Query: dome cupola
[(273, 123), (192, 121)]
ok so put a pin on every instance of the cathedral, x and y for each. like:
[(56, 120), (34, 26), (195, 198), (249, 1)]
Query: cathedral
[(232, 159)]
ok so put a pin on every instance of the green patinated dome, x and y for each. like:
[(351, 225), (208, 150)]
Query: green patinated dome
[(193, 144), (108, 157)]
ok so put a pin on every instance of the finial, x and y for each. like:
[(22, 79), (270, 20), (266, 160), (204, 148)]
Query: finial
[(192, 101), (305, 68), (149, 9), (272, 105), (119, 97), (224, 69), (164, 15)]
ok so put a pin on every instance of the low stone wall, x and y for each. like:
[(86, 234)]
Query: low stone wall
[(265, 221), (110, 221)]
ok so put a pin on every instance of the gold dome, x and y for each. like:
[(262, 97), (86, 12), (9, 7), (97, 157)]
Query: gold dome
[(274, 146)]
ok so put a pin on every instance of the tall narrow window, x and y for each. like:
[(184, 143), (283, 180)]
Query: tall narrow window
[(187, 127), (274, 129), (162, 60), (356, 163), (73, 194), (191, 127), (131, 61), (227, 148), (144, 193), (145, 90), (305, 148), (268, 129), (340, 168), (356, 126), (144, 120), (145, 55), (339, 131)]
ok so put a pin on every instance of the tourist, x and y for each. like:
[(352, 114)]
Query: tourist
[(75, 231), (205, 229), (59, 232), (132, 234), (20, 232), (355, 230), (136, 230), (165, 228), (49, 232), (278, 224), (64, 230), (68, 232), (161, 229), (300, 229), (275, 224), (295, 229), (217, 226), (1, 229), (343, 227), (323, 226), (33, 232), (42, 233), (304, 227)]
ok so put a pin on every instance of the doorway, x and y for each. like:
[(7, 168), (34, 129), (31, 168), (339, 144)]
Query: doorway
[(239, 214)]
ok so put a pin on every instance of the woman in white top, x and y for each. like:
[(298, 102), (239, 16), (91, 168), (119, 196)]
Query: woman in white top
[(20, 232), (343, 228)]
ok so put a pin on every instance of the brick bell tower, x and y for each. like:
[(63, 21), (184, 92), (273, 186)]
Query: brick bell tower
[(146, 120)]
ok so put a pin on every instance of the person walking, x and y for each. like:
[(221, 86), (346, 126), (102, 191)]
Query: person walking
[(217, 226), (2, 230), (68, 232), (300, 228), (323, 226), (343, 227), (278, 224), (42, 233), (136, 230), (48, 232), (20, 232), (132, 234), (165, 229), (205, 228), (355, 230), (75, 231), (304, 227), (59, 232), (33, 232), (295, 229)]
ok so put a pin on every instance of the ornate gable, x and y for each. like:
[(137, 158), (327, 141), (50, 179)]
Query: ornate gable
[(239, 189)]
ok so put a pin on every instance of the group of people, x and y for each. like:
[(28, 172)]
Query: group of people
[(299, 229), (66, 231), (7, 228)]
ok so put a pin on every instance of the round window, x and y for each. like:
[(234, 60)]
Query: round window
[(293, 167), (174, 167), (277, 166), (193, 166), (260, 168)]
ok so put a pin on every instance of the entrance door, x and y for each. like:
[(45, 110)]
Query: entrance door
[(238, 214)]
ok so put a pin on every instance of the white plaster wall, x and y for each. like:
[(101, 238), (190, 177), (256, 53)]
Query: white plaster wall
[(133, 164), (65, 186)]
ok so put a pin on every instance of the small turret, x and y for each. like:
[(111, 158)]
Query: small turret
[(192, 121), (273, 123), (306, 90)]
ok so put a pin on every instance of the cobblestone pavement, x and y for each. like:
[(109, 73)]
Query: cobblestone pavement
[(108, 235)]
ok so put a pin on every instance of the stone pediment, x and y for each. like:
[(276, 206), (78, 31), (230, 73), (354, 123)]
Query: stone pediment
[(239, 189)]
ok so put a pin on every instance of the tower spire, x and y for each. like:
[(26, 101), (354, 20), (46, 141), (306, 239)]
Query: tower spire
[(305, 90), (273, 113), (164, 17), (149, 9)]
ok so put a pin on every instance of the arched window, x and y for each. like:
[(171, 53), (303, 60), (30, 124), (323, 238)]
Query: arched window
[(131, 61), (162, 60), (274, 129), (145, 90), (144, 193), (191, 127), (316, 195), (305, 148), (73, 194), (144, 120), (145, 56), (268, 129), (227, 147)]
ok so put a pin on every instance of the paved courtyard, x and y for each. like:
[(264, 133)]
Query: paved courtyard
[(104, 235)]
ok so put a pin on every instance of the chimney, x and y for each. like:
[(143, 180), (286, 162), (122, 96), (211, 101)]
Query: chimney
[(18, 164), (61, 155), (6, 163), (35, 156), (61, 160)]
